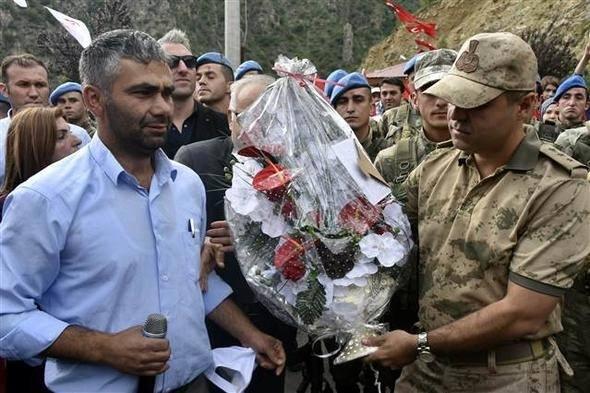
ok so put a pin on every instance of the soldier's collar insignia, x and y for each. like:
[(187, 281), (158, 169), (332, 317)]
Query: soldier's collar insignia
[(468, 61)]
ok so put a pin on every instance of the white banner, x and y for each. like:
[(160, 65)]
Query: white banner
[(75, 27), (22, 3)]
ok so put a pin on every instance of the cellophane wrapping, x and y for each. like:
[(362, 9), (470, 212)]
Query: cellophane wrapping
[(316, 252)]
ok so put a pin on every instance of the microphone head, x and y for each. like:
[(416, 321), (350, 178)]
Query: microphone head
[(155, 326)]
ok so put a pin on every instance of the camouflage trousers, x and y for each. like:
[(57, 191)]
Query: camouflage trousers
[(574, 341), (538, 376)]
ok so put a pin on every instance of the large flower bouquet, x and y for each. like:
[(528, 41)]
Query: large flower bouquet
[(320, 241)]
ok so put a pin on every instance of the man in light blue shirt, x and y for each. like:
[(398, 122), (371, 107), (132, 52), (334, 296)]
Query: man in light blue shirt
[(97, 241), (25, 82)]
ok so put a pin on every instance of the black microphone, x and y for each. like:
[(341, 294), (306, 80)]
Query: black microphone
[(155, 326)]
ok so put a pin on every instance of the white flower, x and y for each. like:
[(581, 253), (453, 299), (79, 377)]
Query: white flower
[(395, 218), (383, 247), (244, 201), (345, 281), (273, 225), (362, 270)]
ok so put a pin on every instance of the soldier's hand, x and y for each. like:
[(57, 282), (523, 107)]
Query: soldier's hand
[(396, 349), (131, 353)]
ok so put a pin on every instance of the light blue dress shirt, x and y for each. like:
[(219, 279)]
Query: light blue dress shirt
[(82, 243), (81, 133)]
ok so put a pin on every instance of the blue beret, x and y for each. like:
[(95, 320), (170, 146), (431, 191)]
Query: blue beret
[(334, 76), (354, 80), (247, 66), (3, 98), (410, 64), (215, 58), (571, 82), (62, 89)]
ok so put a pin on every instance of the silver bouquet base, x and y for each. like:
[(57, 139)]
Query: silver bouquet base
[(354, 348)]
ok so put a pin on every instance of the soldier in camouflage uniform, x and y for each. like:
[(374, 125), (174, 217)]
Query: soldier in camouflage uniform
[(502, 223), (574, 341), (352, 100), (397, 161), (402, 121)]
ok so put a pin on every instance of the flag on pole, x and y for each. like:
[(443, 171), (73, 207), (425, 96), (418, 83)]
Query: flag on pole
[(75, 27), (21, 3), (412, 24)]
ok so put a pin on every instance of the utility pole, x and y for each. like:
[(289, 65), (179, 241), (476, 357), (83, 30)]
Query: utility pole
[(232, 31)]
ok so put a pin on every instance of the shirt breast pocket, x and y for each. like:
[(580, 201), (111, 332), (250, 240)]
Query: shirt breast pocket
[(192, 251)]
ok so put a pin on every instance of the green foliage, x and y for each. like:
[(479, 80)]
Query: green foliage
[(310, 303), (552, 50)]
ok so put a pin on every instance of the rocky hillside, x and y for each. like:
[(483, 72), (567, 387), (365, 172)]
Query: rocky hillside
[(333, 33), (457, 20)]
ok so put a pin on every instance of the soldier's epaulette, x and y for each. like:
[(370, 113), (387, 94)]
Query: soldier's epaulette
[(445, 144), (576, 169)]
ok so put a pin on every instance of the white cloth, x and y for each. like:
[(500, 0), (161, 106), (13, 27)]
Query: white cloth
[(238, 365)]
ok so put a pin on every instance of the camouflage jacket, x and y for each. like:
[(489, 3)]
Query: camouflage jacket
[(374, 142), (575, 142), (528, 222), (396, 162), (90, 126), (399, 122)]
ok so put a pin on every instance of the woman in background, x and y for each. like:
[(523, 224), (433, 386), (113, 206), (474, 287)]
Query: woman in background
[(37, 137)]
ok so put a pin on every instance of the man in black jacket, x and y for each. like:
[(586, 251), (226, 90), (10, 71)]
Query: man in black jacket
[(209, 159), (191, 121)]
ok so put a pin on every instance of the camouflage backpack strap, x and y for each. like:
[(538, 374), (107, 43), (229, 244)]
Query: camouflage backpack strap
[(576, 169), (405, 160), (402, 114)]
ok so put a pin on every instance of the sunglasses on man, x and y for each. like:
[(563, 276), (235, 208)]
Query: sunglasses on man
[(188, 60)]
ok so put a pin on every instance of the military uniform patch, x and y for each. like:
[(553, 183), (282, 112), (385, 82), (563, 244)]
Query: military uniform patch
[(469, 61)]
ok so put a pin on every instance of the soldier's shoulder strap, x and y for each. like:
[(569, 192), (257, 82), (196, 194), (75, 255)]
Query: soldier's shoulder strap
[(575, 168), (405, 159), (444, 145)]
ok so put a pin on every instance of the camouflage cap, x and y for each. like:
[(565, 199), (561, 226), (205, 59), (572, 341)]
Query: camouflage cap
[(433, 66), (488, 64)]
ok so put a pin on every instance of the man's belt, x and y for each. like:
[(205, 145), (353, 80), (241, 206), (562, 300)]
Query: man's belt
[(522, 351)]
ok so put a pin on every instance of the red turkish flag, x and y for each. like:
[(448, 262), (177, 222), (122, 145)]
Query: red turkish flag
[(412, 24)]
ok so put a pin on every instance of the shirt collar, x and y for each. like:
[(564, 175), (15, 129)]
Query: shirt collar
[(527, 153), (524, 158), (114, 171)]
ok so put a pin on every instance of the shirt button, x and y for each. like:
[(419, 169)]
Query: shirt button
[(164, 277)]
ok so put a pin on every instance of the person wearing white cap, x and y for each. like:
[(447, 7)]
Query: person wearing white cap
[(502, 225)]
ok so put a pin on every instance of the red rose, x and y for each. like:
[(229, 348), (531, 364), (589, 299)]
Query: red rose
[(294, 269), (359, 215), (273, 181), (290, 249)]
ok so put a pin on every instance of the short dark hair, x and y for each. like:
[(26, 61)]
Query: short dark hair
[(394, 81), (549, 80), (100, 62), (24, 60), (514, 97)]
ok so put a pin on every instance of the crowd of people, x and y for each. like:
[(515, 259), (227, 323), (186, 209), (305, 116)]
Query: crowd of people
[(112, 208)]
